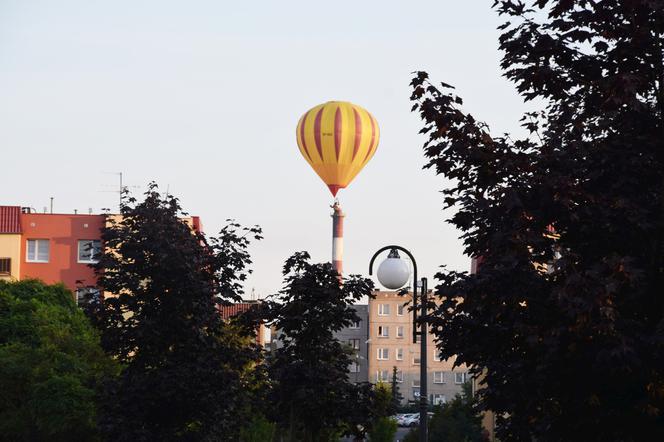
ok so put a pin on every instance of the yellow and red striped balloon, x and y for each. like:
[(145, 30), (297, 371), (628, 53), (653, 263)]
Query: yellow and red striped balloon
[(337, 139)]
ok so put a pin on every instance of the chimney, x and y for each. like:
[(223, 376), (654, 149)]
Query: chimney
[(337, 237)]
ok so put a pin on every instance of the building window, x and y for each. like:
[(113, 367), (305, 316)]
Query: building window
[(399, 354), (418, 339), (415, 383), (383, 309), (416, 392), (86, 295), (354, 367), (89, 250), (5, 266), (438, 377), (354, 344), (399, 376), (436, 356), (383, 331), (38, 250), (382, 376), (416, 360), (460, 378), (355, 325), (438, 399), (400, 309), (383, 354), (400, 331)]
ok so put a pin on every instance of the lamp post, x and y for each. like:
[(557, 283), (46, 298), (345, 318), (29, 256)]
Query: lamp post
[(393, 273)]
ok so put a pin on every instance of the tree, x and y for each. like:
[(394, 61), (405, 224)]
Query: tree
[(312, 398), (397, 397), (51, 365), (564, 320), (457, 421), (184, 368)]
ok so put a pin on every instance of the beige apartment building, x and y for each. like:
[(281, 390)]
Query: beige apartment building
[(391, 345)]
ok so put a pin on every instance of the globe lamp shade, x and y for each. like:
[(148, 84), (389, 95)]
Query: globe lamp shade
[(393, 273)]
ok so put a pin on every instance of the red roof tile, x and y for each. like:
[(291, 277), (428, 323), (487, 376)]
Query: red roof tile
[(228, 311), (10, 219)]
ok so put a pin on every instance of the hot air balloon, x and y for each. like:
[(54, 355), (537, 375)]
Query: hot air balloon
[(337, 139)]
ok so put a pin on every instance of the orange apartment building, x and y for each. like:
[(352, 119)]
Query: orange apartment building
[(50, 247), (53, 247)]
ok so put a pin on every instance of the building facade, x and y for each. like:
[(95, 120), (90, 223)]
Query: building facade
[(53, 247), (356, 336), (391, 345)]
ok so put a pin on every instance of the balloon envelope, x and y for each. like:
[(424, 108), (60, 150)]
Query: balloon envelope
[(337, 139)]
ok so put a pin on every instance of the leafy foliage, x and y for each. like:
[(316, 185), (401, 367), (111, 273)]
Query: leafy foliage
[(383, 430), (564, 321), (187, 372), (258, 429), (312, 397), (397, 397), (457, 421), (51, 365)]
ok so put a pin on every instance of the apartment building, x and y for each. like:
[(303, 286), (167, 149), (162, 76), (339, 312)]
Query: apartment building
[(391, 345), (53, 247), (356, 336)]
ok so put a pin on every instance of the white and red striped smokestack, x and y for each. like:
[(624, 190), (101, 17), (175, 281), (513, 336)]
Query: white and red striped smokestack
[(337, 237)]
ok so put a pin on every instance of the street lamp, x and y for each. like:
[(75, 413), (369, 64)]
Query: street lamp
[(393, 274)]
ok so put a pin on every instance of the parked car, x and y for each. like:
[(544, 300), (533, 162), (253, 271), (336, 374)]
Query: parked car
[(402, 418), (413, 420)]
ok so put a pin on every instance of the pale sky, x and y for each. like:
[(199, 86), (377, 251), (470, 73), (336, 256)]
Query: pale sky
[(204, 96)]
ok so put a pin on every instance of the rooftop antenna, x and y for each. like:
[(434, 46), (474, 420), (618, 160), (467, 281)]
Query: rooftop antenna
[(121, 189), (51, 205)]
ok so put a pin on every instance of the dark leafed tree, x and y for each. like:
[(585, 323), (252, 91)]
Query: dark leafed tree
[(184, 368), (312, 398), (397, 397), (564, 317)]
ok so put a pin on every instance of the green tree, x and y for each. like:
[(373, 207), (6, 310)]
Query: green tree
[(186, 371), (458, 420), (51, 365), (383, 430), (397, 397), (564, 320), (312, 398)]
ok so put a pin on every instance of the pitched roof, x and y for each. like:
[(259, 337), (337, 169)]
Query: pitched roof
[(10, 219), (228, 311)]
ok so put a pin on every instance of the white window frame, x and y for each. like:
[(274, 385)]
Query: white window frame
[(399, 354), (352, 342), (383, 331), (436, 356), (355, 325), (399, 376), (8, 266), (82, 291), (400, 331), (383, 354), (380, 378), (438, 399), (400, 309), (415, 383), (462, 375), (438, 377), (35, 258), (383, 309), (85, 243), (354, 367), (416, 360)]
